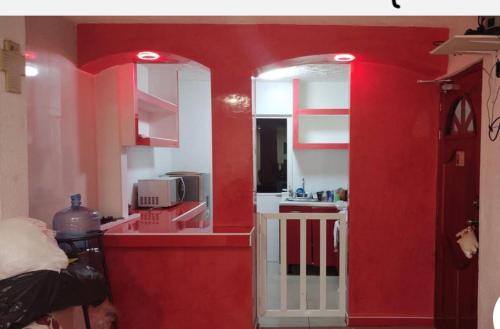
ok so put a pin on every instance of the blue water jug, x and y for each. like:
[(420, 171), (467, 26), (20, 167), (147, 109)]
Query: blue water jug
[(75, 220)]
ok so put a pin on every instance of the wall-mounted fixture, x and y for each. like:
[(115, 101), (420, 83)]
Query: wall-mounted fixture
[(13, 64), (30, 70), (148, 55)]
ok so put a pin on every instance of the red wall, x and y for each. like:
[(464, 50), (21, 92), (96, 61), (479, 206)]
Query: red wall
[(393, 151)]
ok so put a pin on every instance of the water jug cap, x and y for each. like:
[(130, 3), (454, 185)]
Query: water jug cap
[(76, 200), (76, 197)]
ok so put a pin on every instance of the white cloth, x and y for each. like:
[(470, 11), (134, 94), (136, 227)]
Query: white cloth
[(47, 322), (336, 236), (27, 245)]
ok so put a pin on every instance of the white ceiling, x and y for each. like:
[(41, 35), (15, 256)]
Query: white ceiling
[(420, 21)]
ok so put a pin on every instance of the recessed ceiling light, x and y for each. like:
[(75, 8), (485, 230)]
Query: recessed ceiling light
[(30, 70), (148, 55), (344, 57)]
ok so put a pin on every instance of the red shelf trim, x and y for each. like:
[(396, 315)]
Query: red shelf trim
[(323, 111), (317, 146), (156, 141), (155, 103)]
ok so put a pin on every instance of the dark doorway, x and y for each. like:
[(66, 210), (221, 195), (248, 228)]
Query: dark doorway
[(271, 155)]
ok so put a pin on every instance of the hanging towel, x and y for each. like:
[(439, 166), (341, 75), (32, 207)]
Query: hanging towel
[(336, 236), (468, 242)]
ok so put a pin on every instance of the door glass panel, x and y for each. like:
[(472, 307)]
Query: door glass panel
[(461, 119)]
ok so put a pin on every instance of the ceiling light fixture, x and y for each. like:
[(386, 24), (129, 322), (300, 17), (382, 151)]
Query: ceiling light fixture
[(344, 58), (148, 55)]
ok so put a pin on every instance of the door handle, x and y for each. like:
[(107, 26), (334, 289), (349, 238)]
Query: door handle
[(473, 222)]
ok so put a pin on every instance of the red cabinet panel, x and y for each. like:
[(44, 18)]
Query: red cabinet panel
[(313, 237), (332, 257)]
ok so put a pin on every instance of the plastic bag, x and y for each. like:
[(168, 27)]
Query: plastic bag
[(26, 297), (27, 245)]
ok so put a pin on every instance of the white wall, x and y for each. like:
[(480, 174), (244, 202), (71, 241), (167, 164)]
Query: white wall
[(321, 169), (61, 127), (61, 120), (489, 212), (273, 97), (13, 134)]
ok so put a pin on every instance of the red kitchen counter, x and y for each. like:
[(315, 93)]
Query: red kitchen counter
[(184, 225), (168, 268)]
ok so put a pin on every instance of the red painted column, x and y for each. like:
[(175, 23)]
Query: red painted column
[(232, 146)]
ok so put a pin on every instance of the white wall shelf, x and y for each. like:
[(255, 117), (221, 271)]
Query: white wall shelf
[(321, 113), (463, 44), (153, 104)]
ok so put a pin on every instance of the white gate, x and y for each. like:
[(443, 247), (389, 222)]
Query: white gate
[(303, 310)]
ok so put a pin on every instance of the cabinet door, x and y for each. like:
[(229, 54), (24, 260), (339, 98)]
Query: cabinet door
[(332, 257), (293, 236), (269, 203), (114, 111)]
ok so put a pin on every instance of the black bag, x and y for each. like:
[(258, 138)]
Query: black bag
[(26, 297)]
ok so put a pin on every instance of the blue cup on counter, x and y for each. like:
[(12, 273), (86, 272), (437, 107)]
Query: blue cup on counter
[(329, 196)]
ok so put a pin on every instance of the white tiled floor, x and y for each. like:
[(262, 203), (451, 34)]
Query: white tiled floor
[(293, 300)]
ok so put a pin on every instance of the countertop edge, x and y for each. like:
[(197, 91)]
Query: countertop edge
[(193, 240)]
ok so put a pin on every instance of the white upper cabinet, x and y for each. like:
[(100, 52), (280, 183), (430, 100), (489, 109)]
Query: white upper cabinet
[(274, 97)]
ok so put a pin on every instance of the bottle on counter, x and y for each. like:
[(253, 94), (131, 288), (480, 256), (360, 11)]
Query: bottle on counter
[(75, 220), (340, 194)]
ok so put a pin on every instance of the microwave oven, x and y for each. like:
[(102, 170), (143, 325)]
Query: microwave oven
[(160, 192), (197, 185)]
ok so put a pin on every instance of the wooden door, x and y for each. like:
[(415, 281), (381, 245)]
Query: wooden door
[(458, 195)]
